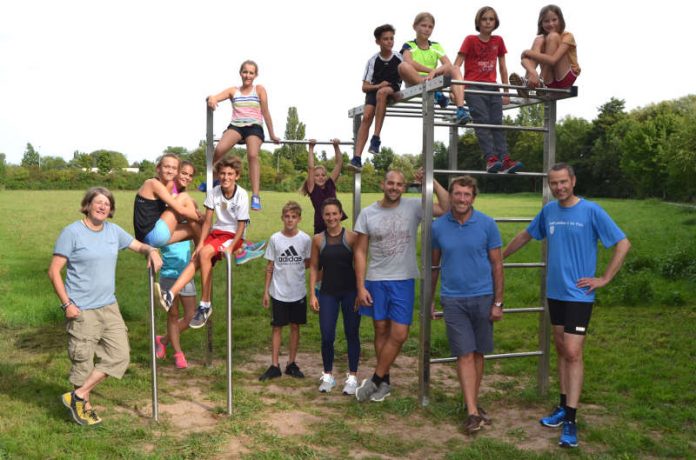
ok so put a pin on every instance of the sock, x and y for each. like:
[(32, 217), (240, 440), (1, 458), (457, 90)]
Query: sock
[(204, 304), (377, 380), (386, 379), (563, 400), (570, 414)]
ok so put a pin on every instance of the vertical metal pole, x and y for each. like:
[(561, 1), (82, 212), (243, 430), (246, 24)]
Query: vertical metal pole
[(209, 151), (426, 245), (357, 185), (453, 153), (230, 262), (544, 323), (153, 357)]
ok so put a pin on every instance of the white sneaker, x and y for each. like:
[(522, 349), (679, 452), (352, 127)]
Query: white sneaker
[(327, 382), (351, 385)]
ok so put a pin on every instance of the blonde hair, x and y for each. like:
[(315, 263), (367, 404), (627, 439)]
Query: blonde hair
[(291, 206), (420, 17), (250, 62), (304, 190)]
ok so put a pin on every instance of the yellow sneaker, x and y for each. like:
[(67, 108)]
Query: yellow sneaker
[(76, 406)]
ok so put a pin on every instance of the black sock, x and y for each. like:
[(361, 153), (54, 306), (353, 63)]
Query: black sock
[(563, 400), (386, 379), (570, 414), (377, 380)]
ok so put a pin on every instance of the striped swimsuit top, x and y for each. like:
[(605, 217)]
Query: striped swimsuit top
[(246, 109)]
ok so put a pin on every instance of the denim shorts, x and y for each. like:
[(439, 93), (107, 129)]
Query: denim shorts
[(159, 235)]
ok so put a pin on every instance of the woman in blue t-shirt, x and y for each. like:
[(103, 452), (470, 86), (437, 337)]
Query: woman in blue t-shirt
[(88, 250)]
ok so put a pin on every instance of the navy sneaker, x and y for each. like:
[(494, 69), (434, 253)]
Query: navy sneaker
[(569, 435), (463, 115), (374, 145), (201, 317), (355, 163), (255, 203), (441, 99), (555, 419)]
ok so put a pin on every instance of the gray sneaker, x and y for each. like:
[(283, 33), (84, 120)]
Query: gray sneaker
[(383, 390), (327, 383), (201, 317), (366, 389)]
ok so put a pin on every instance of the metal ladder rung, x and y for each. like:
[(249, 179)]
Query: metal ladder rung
[(521, 354)]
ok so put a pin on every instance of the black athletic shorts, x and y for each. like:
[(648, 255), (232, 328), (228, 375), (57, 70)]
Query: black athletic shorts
[(573, 316), (246, 131), (371, 96), (285, 313)]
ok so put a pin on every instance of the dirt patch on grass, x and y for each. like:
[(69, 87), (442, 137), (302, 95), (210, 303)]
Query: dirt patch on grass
[(293, 409)]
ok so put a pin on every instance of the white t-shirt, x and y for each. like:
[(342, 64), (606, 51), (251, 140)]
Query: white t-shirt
[(288, 255), (228, 211), (392, 236)]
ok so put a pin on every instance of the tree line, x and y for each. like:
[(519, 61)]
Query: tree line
[(649, 152)]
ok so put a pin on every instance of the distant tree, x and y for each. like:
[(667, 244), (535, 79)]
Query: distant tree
[(3, 169), (81, 160), (296, 153), (383, 160), (53, 163), (147, 167), (180, 151), (31, 157), (108, 160)]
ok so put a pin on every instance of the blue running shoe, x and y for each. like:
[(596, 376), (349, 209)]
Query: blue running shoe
[(201, 317), (247, 256), (204, 187), (374, 145), (463, 115), (569, 435), (441, 99), (256, 246), (255, 203), (555, 419)]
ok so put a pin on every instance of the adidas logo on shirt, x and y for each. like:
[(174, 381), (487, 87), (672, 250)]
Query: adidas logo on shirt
[(289, 256)]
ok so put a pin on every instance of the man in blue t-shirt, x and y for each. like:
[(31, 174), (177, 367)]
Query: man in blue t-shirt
[(471, 298), (571, 226)]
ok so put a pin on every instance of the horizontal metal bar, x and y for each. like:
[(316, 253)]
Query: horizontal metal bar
[(514, 219), (441, 314), (481, 125), (524, 265), (572, 91), (306, 142), (523, 354), (487, 174), (410, 92)]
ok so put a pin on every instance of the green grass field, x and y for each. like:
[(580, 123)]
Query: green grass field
[(638, 402)]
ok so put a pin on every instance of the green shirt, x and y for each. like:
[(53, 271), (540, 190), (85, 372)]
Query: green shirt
[(427, 57)]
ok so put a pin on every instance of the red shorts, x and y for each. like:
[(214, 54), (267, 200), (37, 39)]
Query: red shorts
[(567, 81), (220, 240)]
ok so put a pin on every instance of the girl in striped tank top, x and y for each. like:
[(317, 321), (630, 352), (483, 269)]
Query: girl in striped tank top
[(249, 111)]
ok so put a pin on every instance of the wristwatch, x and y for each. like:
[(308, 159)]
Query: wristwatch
[(498, 304)]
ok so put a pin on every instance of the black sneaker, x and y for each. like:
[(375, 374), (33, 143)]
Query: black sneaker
[(355, 164), (374, 145), (293, 370), (201, 316), (273, 372)]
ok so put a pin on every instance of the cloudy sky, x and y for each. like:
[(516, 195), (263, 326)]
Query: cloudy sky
[(132, 76)]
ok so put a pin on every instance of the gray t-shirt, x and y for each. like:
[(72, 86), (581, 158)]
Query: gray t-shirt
[(392, 239)]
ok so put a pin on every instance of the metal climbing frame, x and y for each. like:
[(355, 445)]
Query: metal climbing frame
[(410, 107)]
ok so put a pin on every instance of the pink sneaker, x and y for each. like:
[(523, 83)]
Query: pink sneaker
[(180, 360), (160, 348)]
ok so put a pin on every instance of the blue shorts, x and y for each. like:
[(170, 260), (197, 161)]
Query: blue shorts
[(392, 300), (159, 235), (469, 327)]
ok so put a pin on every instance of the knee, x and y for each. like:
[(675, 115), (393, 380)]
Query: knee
[(553, 38), (398, 335), (573, 355), (467, 359)]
